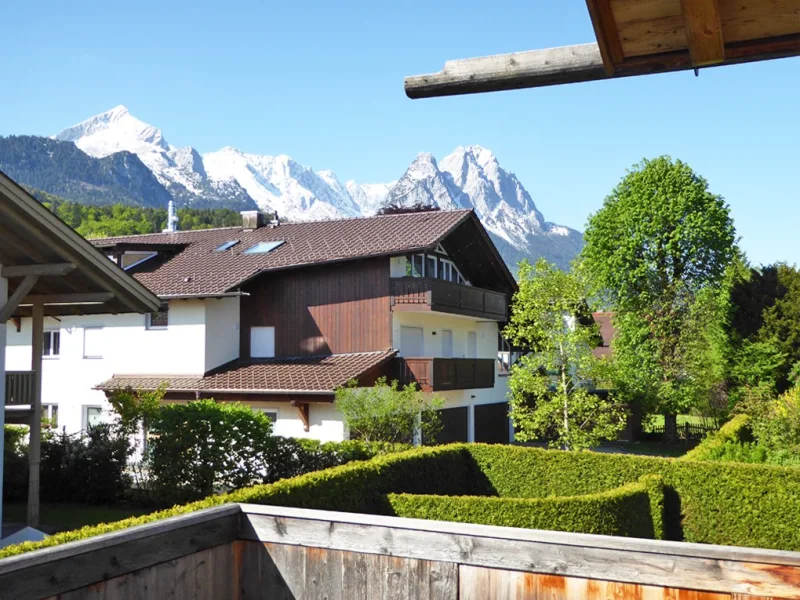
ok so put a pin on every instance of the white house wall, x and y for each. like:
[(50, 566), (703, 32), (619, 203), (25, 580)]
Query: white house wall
[(127, 348), (222, 331), (433, 323), (325, 422)]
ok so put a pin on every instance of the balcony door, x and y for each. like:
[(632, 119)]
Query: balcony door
[(411, 341)]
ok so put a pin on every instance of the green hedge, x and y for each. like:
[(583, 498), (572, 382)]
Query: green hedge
[(624, 511), (737, 431), (710, 502)]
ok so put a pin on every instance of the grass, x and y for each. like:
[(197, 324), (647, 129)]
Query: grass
[(64, 517), (658, 420), (654, 449)]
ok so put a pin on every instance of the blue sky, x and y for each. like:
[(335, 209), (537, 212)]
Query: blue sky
[(323, 82)]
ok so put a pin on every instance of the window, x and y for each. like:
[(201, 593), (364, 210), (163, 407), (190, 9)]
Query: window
[(472, 345), (93, 342), (272, 414), (51, 347), (92, 416), (262, 342), (430, 266), (411, 341), (263, 247), (418, 265), (158, 320), (447, 343), (50, 415), (226, 246)]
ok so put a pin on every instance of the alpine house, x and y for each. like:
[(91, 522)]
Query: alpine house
[(279, 315)]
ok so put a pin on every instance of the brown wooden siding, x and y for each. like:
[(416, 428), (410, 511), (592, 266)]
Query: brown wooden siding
[(422, 294), (335, 309), (440, 374)]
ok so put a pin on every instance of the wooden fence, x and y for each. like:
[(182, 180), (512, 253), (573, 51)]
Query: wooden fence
[(246, 551)]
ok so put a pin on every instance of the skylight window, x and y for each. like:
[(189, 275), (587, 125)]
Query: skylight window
[(263, 247), (226, 246)]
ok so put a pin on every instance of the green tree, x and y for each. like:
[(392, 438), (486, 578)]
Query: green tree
[(659, 240), (386, 412), (550, 388)]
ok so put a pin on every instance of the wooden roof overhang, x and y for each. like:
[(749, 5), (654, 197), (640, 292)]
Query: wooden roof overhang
[(634, 37), (46, 262)]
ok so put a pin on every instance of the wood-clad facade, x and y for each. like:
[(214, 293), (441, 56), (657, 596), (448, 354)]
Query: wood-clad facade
[(332, 309)]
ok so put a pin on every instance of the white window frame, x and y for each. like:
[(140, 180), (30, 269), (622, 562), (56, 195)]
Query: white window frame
[(45, 345), (262, 328), (47, 411), (148, 321), (271, 411), (90, 356), (85, 414), (447, 352)]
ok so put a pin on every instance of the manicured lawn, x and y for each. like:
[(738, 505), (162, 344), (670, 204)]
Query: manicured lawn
[(653, 449), (63, 517)]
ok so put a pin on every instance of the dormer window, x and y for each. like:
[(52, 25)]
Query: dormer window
[(226, 246), (264, 247)]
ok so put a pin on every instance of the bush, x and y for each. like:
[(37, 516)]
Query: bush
[(15, 463), (88, 468), (199, 448), (185, 465), (625, 511)]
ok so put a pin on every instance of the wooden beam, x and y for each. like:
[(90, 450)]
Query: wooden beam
[(605, 30), (35, 442), (534, 68), (37, 269), (16, 298), (703, 32), (303, 409), (90, 298)]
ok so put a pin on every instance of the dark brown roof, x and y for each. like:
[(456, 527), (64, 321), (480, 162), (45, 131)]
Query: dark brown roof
[(191, 267), (606, 326), (308, 374)]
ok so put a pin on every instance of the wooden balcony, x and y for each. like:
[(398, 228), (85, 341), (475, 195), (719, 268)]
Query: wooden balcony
[(424, 294), (441, 374), (19, 388)]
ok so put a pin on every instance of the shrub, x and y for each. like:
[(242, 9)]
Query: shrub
[(201, 447), (15, 463), (625, 511), (88, 468), (735, 431), (386, 412)]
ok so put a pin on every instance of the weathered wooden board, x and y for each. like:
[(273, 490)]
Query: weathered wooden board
[(96, 560), (644, 562), (477, 583), (283, 571), (204, 575), (703, 31)]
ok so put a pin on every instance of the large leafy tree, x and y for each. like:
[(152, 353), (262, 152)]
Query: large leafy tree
[(660, 239), (551, 387)]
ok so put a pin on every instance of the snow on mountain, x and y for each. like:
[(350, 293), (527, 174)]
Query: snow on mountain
[(469, 177)]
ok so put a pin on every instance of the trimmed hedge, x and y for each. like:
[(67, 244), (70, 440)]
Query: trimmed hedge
[(737, 431), (624, 511), (710, 502)]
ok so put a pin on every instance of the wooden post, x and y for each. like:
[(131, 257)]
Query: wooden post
[(34, 448)]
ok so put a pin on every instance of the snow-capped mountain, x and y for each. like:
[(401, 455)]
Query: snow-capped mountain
[(469, 177)]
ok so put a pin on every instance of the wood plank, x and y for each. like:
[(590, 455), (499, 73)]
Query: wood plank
[(595, 557), (703, 31), (71, 566), (534, 68), (36, 269), (746, 20), (605, 30), (13, 302), (89, 298)]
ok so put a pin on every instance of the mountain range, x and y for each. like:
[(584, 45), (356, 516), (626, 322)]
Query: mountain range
[(115, 157)]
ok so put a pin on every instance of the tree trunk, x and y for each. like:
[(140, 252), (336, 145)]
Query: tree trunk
[(670, 427)]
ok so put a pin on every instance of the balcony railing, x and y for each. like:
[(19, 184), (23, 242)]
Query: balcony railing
[(19, 387), (441, 374), (422, 293)]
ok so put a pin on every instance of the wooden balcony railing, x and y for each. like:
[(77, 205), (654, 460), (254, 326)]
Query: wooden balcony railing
[(422, 293), (19, 387), (441, 374)]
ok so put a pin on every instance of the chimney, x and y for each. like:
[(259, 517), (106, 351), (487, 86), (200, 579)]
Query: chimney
[(172, 219), (253, 219)]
